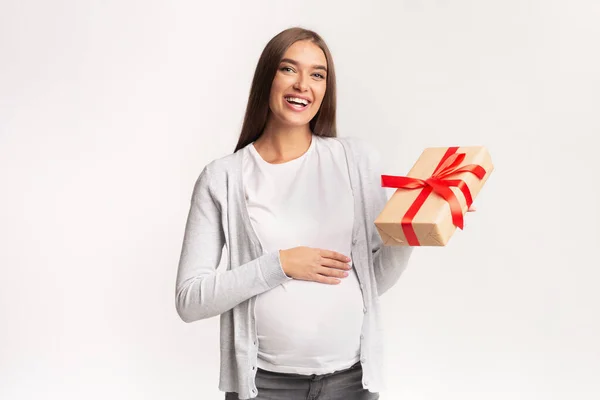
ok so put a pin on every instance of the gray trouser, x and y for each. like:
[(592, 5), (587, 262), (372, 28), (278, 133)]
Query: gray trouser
[(339, 385)]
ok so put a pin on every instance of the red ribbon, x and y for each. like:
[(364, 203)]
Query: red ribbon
[(448, 165)]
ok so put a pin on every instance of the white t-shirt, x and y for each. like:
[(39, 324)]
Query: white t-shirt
[(305, 327)]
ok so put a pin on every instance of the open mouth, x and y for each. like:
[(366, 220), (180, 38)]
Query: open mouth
[(297, 103)]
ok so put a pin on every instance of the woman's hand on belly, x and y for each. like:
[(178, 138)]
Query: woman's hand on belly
[(314, 264)]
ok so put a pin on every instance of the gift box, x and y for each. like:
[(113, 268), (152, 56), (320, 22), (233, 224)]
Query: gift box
[(430, 202)]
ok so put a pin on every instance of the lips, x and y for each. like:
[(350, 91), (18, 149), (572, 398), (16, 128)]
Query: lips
[(293, 102), (298, 97)]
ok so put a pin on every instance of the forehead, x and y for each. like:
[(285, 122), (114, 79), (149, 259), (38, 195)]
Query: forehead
[(306, 52)]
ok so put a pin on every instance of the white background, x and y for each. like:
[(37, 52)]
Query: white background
[(110, 109)]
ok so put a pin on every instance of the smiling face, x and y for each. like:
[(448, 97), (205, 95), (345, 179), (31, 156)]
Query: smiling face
[(299, 84)]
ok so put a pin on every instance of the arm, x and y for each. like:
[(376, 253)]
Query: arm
[(200, 291), (388, 261)]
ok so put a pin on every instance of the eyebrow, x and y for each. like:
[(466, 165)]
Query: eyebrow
[(294, 62)]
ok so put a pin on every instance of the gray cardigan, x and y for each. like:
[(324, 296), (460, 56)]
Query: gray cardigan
[(218, 217)]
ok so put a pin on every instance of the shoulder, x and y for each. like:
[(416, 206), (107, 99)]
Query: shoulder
[(364, 153), (358, 145), (215, 176), (222, 167)]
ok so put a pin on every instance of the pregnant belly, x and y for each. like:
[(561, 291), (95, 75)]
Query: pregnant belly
[(300, 321)]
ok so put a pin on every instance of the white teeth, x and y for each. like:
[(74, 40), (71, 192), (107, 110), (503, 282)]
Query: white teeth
[(297, 100)]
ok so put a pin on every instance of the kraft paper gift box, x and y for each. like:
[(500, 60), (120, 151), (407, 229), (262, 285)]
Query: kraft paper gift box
[(430, 202)]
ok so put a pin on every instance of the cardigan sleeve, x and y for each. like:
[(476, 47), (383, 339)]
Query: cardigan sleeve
[(389, 262), (202, 292)]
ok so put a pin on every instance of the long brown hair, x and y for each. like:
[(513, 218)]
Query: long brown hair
[(257, 109)]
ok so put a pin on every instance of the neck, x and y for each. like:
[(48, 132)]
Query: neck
[(283, 143)]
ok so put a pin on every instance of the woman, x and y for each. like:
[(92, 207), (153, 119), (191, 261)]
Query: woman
[(299, 318)]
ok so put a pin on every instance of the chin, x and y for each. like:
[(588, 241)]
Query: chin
[(297, 123), (291, 121)]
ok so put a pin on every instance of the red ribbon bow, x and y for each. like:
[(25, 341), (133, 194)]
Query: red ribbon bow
[(438, 183)]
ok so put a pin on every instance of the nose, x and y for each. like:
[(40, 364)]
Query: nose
[(301, 83)]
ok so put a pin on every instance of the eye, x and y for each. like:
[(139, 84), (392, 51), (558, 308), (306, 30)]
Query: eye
[(286, 69), (320, 76)]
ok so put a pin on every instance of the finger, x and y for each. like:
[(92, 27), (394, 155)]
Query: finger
[(325, 279), (336, 273), (334, 255), (328, 262)]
